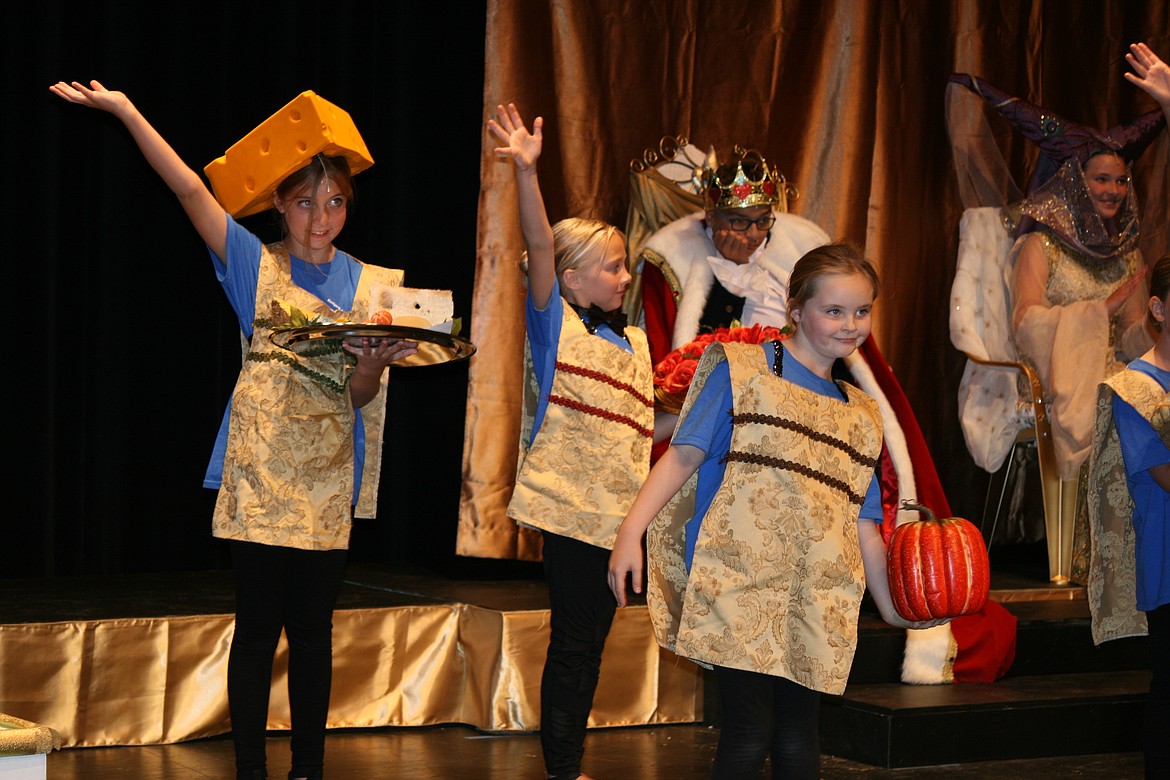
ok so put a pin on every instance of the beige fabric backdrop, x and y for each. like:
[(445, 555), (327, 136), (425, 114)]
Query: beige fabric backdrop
[(846, 96)]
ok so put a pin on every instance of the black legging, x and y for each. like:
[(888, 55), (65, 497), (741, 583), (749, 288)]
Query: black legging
[(764, 715), (1157, 717), (294, 590), (581, 611)]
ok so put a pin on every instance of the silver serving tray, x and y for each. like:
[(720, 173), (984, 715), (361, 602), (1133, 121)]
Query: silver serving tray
[(434, 347)]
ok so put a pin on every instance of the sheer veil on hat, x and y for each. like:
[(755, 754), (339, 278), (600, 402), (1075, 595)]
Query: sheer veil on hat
[(983, 175)]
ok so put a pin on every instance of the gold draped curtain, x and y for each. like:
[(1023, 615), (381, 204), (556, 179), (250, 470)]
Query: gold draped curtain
[(845, 96), (148, 681)]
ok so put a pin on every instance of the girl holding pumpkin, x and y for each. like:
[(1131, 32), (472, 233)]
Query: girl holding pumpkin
[(768, 513), (1129, 568)]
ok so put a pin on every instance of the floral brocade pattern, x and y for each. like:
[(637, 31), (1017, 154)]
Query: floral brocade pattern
[(1112, 585), (1160, 419), (776, 582), (288, 468), (592, 452)]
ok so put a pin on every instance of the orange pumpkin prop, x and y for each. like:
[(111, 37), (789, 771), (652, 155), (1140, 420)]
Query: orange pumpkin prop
[(937, 568)]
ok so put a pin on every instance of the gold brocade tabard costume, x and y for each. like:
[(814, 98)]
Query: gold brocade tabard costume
[(1112, 588), (776, 582), (592, 452), (1160, 419), (288, 468)]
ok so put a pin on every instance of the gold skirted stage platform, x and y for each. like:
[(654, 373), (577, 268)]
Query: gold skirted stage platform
[(142, 659)]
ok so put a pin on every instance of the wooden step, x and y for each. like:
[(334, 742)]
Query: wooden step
[(1062, 695), (1053, 636), (894, 725)]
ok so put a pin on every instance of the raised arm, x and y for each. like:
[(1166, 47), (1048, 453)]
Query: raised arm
[(524, 149), (1151, 74), (201, 206)]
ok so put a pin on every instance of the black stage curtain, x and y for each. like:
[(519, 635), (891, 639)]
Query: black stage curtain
[(124, 348)]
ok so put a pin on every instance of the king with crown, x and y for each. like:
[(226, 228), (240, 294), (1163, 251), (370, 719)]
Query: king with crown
[(728, 264)]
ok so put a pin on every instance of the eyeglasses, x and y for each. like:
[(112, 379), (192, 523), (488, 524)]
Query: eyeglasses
[(741, 224)]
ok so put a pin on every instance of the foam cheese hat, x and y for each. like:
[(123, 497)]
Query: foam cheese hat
[(244, 179)]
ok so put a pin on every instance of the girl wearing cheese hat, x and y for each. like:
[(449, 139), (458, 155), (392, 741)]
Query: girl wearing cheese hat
[(297, 455)]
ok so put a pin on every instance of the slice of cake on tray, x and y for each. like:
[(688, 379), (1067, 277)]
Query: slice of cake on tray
[(410, 307)]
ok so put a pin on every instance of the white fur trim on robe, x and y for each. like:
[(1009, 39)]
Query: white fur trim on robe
[(895, 439), (991, 409), (929, 657), (696, 288), (686, 246)]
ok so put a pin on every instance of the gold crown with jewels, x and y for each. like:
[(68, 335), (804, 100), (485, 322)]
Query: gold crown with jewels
[(764, 186)]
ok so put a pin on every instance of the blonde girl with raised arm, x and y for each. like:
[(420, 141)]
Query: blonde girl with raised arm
[(586, 431)]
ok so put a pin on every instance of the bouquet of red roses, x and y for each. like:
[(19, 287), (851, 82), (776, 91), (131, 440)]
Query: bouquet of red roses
[(673, 374)]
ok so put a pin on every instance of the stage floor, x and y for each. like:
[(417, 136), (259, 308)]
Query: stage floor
[(1018, 575), (678, 745), (185, 594), (681, 752)]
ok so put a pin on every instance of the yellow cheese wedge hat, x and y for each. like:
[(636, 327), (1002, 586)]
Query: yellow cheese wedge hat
[(244, 179)]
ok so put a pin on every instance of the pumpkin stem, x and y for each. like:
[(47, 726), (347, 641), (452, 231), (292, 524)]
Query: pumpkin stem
[(913, 506)]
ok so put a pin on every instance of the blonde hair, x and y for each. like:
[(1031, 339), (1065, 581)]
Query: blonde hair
[(577, 242)]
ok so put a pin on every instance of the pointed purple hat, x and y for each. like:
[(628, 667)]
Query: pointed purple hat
[(1060, 139)]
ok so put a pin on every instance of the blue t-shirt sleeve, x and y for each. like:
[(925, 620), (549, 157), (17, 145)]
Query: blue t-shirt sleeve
[(871, 508), (1141, 447), (543, 327), (707, 425), (239, 272)]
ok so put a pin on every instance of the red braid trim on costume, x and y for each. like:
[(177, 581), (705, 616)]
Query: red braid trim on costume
[(600, 377), (817, 436), (602, 413), (799, 468)]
